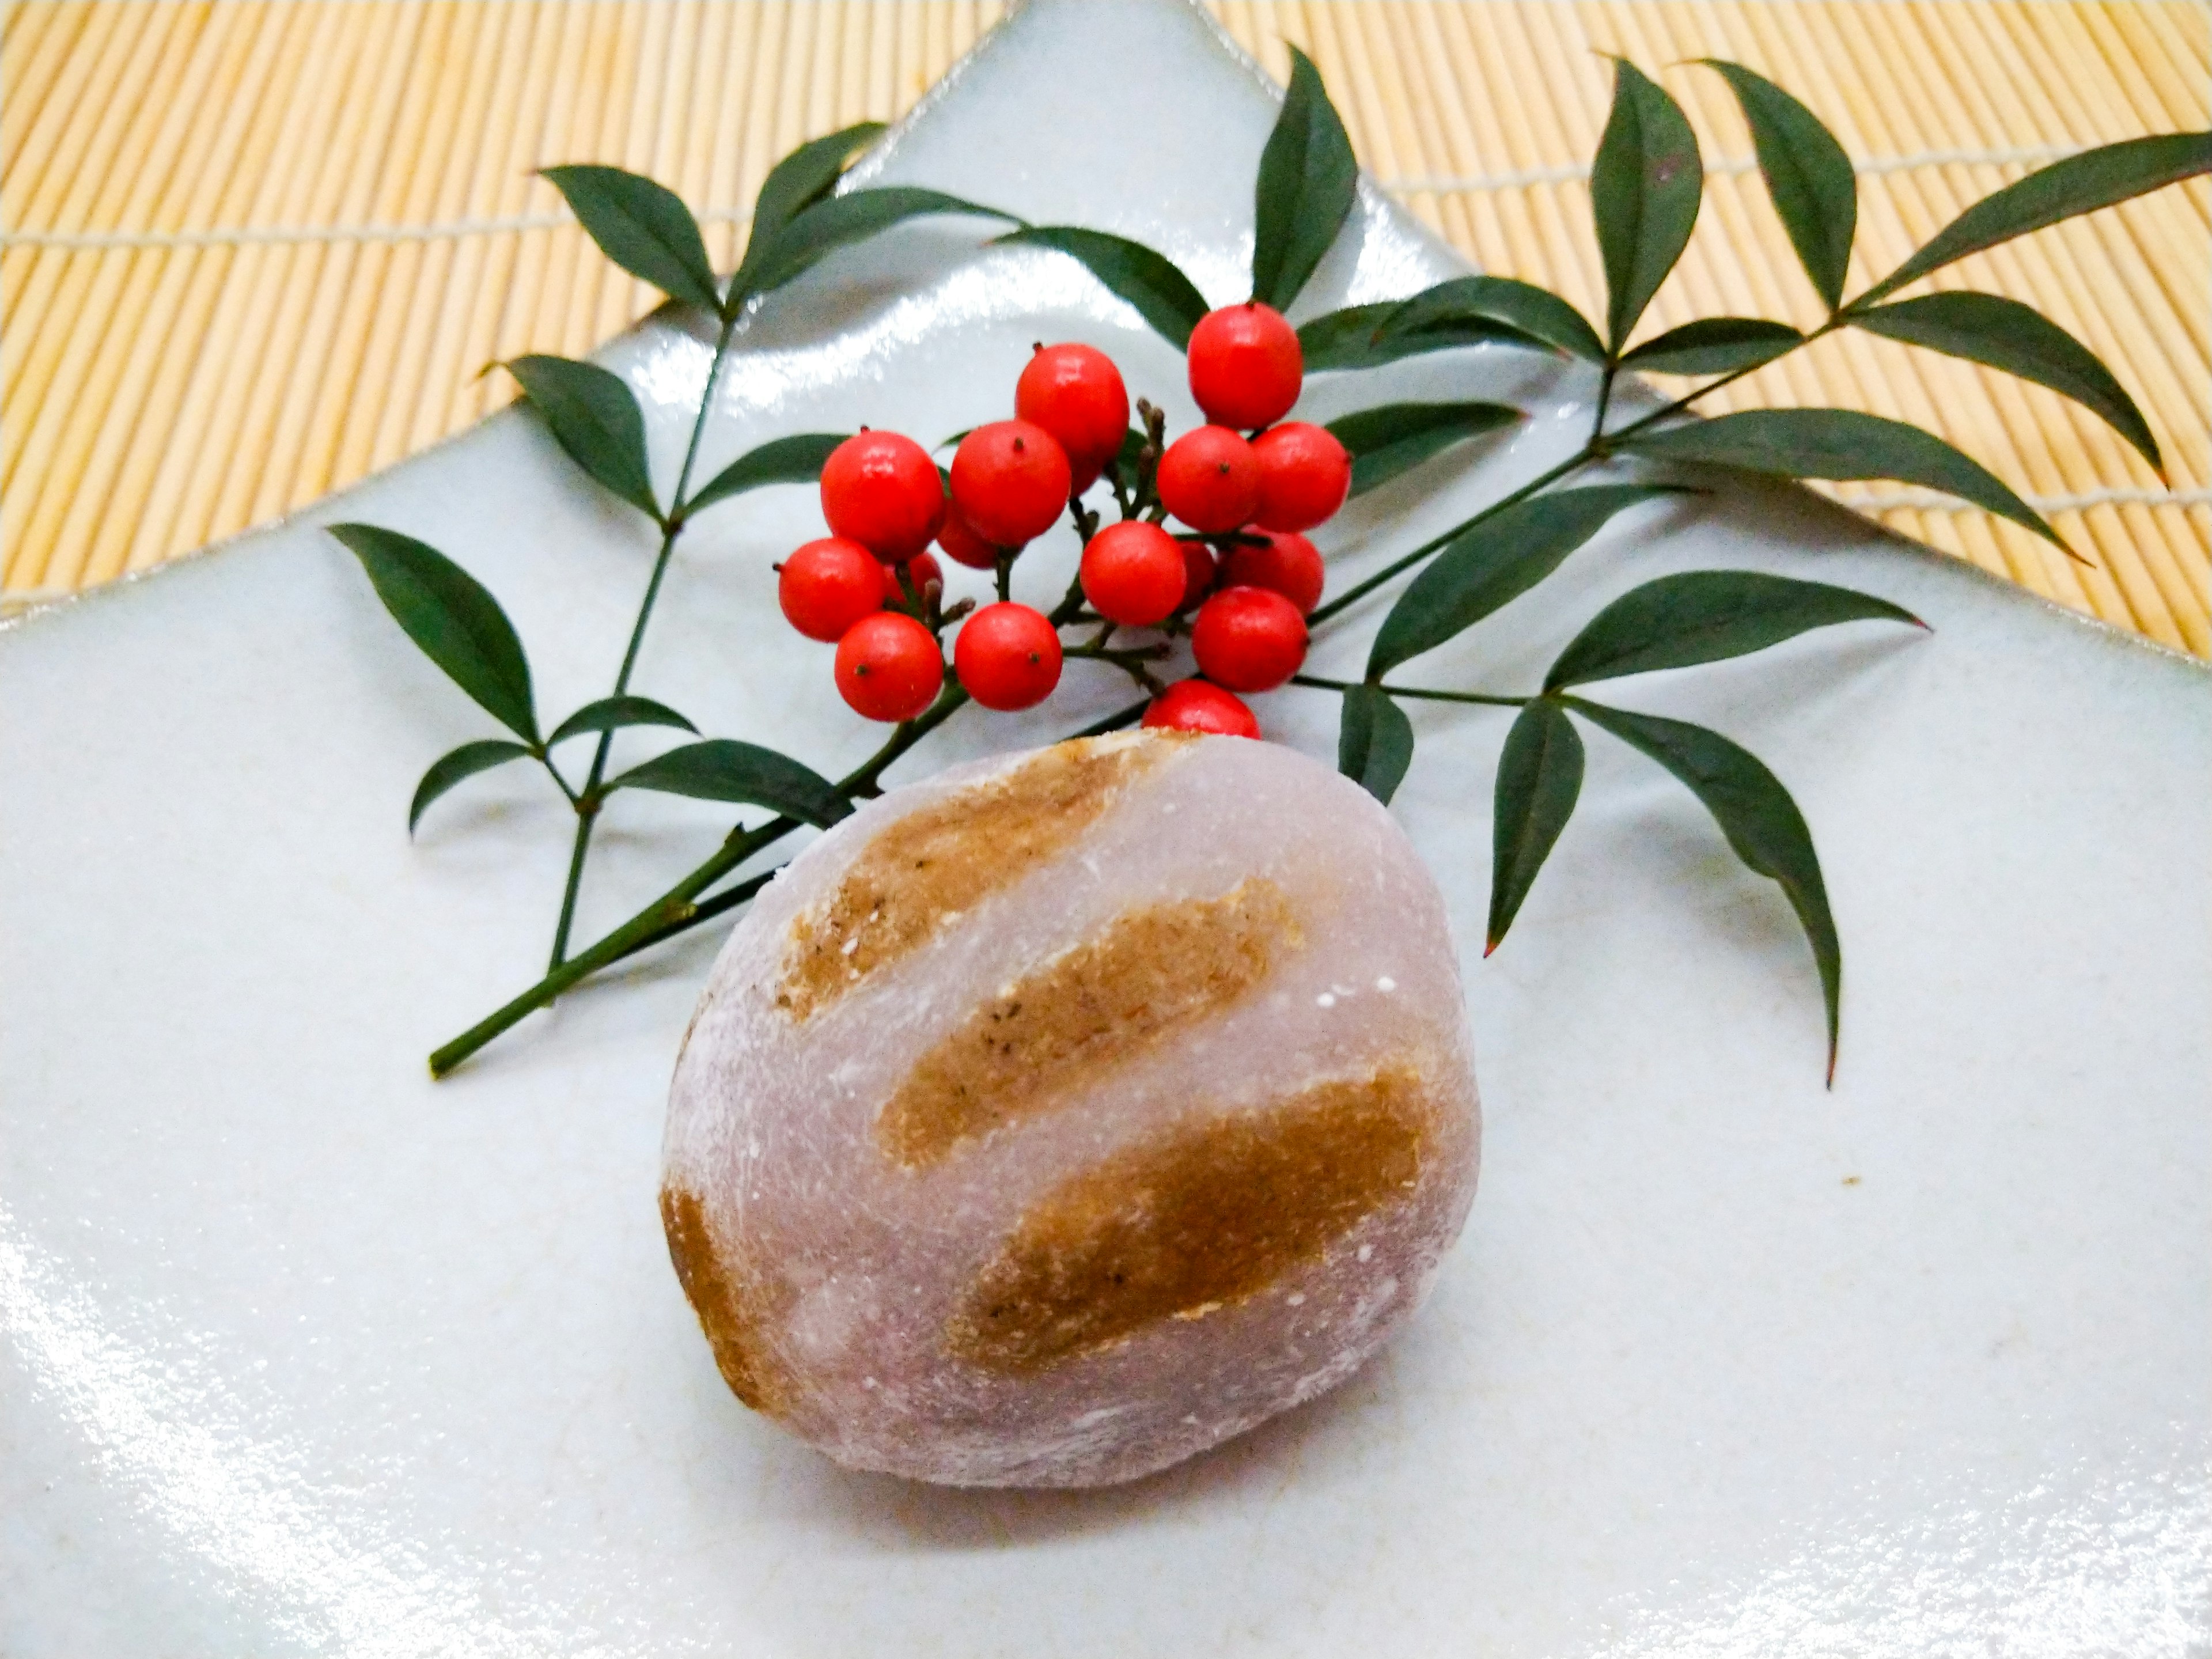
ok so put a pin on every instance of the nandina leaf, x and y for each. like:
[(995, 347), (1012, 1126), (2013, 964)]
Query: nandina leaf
[(1713, 345), (797, 183), (612, 713), (1756, 814), (1355, 337), (795, 459), (1385, 441), (1515, 309), (593, 417), (642, 226), (452, 618), (722, 768), (1838, 443), (1375, 742), (1167, 300), (1307, 181), (458, 766), (2096, 178), (1704, 615), (818, 231), (1540, 776), (1808, 178), (1644, 190), (1495, 560), (2017, 339)]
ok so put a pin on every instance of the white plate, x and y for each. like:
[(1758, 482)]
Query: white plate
[(306, 1355)]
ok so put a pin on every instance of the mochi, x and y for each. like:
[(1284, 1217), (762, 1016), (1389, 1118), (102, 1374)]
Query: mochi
[(1057, 1118)]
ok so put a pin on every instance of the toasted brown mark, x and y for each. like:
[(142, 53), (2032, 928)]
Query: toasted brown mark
[(920, 872), (733, 1305), (1150, 973), (1200, 1217)]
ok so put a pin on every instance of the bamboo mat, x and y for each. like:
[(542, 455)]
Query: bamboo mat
[(251, 250)]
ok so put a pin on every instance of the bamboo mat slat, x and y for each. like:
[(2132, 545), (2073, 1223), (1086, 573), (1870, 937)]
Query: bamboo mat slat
[(252, 250)]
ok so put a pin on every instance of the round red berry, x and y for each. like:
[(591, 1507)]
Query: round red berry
[(921, 569), (1007, 656), (1249, 639), (883, 492), (1075, 392), (1199, 566), (1210, 479), (1245, 365), (1194, 706), (1286, 562), (827, 586), (1134, 572), (1304, 476), (1010, 481), (961, 543), (888, 667)]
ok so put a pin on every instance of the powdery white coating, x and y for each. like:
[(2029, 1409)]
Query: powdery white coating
[(771, 1127)]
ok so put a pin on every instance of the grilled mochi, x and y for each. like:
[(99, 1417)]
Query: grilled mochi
[(1058, 1118)]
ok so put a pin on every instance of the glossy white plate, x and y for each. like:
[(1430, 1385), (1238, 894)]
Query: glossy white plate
[(304, 1355)]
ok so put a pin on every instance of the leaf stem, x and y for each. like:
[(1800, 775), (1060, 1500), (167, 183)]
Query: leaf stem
[(1488, 701)]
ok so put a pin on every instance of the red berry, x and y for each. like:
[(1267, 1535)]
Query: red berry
[(1007, 656), (888, 667), (1199, 566), (921, 569), (1210, 479), (883, 492), (1010, 480), (1286, 562), (1248, 638), (960, 540), (1245, 365), (1194, 706), (1075, 392), (1304, 476), (1134, 572), (827, 586)]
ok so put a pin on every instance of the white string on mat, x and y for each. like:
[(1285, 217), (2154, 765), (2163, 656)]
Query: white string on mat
[(1471, 184), (1935, 500)]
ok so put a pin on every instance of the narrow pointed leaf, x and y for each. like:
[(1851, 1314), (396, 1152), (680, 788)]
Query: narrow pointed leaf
[(722, 768), (1167, 300), (1644, 189), (1808, 178), (797, 182), (1713, 345), (2080, 184), (593, 417), (2017, 339), (458, 767), (1756, 814), (1375, 742), (796, 459), (1386, 441), (1839, 443), (612, 713), (1539, 777), (1307, 181), (1493, 562), (452, 618), (642, 226), (1704, 615), (834, 221), (1504, 302), (1356, 337)]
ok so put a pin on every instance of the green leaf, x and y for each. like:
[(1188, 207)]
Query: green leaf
[(797, 183), (1517, 308), (1355, 339), (1540, 776), (1713, 345), (1644, 188), (1167, 300), (1808, 178), (451, 616), (461, 764), (794, 459), (1374, 744), (1756, 814), (1386, 441), (1838, 443), (593, 417), (642, 226), (1307, 181), (2080, 184), (722, 768), (1495, 560), (612, 713), (831, 223), (2004, 334), (1704, 615)]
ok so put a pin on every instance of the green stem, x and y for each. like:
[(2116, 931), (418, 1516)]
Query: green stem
[(1320, 684), (1604, 398)]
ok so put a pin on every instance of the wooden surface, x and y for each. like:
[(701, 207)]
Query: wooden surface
[(251, 250)]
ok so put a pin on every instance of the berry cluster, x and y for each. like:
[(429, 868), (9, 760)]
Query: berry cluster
[(1238, 578)]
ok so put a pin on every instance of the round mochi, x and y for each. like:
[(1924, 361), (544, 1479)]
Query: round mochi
[(1059, 1117)]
